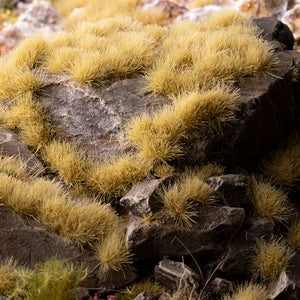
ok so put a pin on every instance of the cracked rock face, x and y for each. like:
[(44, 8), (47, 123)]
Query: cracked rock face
[(213, 229), (93, 118)]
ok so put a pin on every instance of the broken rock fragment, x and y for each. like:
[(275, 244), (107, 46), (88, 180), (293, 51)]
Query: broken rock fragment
[(213, 229)]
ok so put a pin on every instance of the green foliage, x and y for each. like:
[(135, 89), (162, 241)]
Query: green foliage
[(53, 280)]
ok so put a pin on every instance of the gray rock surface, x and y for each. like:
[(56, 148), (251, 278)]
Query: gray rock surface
[(142, 200), (213, 229), (170, 273), (94, 117), (232, 189), (28, 243), (10, 146), (220, 286), (236, 259), (145, 296)]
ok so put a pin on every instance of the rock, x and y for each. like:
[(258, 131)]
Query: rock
[(28, 243), (236, 259), (81, 293), (39, 16), (10, 146), (219, 287), (145, 296), (292, 18), (283, 288), (263, 8), (199, 13), (171, 273), (213, 229), (174, 8), (233, 189), (142, 200), (98, 127), (117, 279), (275, 30), (267, 115)]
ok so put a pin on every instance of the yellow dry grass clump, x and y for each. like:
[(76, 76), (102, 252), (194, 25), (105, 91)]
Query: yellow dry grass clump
[(93, 10), (248, 292), (294, 235), (117, 175), (161, 136), (283, 166), (28, 116), (14, 167), (271, 258), (270, 201), (179, 199), (8, 276)]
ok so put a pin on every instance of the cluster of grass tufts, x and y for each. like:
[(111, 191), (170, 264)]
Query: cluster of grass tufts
[(148, 284), (161, 136), (179, 199), (283, 166), (93, 10), (270, 201), (14, 167), (8, 276), (53, 279), (84, 222), (248, 292), (271, 258), (27, 116), (196, 55)]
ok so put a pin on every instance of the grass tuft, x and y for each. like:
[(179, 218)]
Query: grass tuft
[(177, 199), (29, 54), (117, 175), (294, 235), (67, 160), (15, 82), (283, 166), (8, 275), (53, 279), (248, 291), (112, 252), (271, 258), (14, 167), (270, 201), (29, 118), (148, 284)]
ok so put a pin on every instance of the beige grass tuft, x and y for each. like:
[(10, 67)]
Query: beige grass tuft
[(112, 252), (271, 258), (15, 82), (248, 291), (283, 166), (30, 119), (116, 176), (177, 199), (67, 160), (8, 275), (14, 167), (294, 235), (29, 54), (270, 201)]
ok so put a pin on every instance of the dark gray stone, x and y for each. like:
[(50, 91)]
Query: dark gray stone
[(236, 259), (93, 118), (145, 296), (233, 189), (171, 273), (81, 293), (267, 114), (275, 30), (28, 243), (213, 229), (10, 146), (142, 200)]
